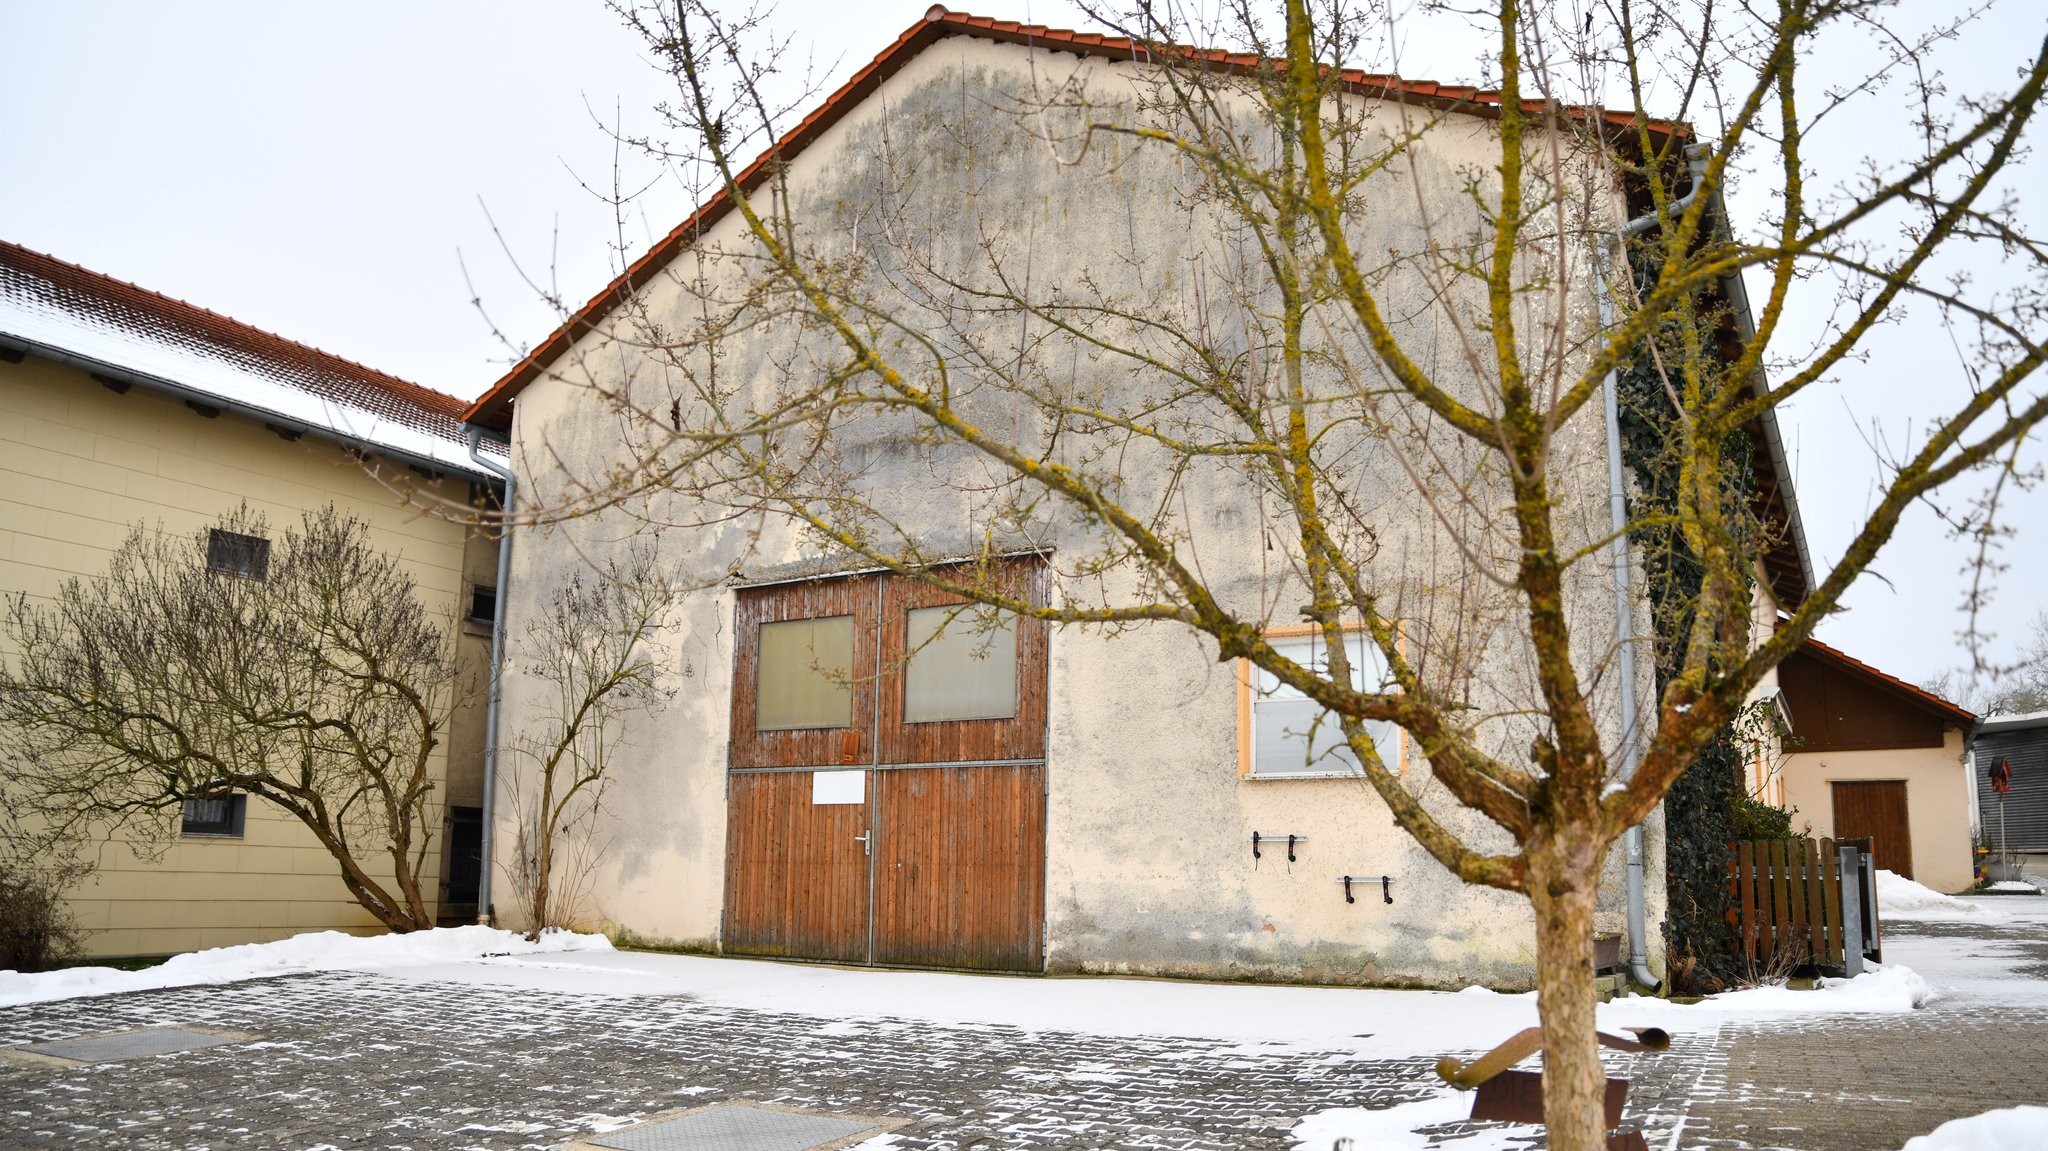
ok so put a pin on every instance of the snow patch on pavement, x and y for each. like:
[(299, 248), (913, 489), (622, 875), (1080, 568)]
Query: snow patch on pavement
[(313, 951), (1901, 898), (1256, 1020), (2008, 1129), (1885, 988)]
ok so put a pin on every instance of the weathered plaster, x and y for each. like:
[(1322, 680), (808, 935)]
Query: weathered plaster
[(1149, 864)]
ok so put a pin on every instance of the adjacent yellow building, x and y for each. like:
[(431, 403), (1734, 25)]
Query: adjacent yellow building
[(121, 406)]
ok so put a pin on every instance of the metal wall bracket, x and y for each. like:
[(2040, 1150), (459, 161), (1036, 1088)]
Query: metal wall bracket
[(1290, 837), (1386, 883)]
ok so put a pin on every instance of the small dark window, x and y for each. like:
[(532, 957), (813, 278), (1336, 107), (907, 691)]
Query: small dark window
[(219, 815), (483, 605), (232, 553)]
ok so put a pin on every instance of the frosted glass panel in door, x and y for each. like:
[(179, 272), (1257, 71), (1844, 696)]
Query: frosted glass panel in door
[(963, 665), (805, 677)]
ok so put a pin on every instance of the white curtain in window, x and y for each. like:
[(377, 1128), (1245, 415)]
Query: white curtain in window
[(1294, 735)]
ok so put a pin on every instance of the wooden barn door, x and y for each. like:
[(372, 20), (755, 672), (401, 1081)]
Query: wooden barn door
[(797, 864), (886, 792), (1877, 809), (960, 867), (796, 873)]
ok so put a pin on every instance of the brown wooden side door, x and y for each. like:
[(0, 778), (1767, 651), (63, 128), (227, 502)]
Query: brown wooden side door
[(960, 867), (797, 873), (1877, 808)]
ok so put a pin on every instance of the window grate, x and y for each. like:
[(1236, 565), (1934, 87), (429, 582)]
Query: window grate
[(232, 553)]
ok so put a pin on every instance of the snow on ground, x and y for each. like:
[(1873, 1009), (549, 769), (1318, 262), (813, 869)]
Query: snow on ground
[(1901, 898), (1980, 968), (1324, 1023), (2011, 885), (1394, 1128), (1881, 989), (313, 951), (1344, 1023), (2010, 1129)]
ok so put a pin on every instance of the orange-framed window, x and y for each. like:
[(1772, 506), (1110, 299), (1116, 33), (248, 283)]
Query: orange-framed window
[(1282, 734)]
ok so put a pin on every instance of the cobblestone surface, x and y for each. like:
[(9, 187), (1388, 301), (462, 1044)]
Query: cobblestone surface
[(1866, 1083), (1871, 1082), (349, 1060), (356, 1060)]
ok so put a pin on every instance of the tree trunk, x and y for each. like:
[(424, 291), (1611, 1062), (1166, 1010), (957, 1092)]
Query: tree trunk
[(1563, 887), (543, 876)]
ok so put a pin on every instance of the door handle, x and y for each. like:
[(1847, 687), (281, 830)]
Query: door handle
[(866, 848)]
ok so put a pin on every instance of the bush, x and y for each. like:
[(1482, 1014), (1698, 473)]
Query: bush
[(1755, 819), (37, 932)]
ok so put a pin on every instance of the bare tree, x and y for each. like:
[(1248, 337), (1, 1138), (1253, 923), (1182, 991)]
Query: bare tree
[(1386, 321), (590, 645), (2016, 689), (306, 676)]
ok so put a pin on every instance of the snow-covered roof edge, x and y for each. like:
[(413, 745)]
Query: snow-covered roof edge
[(67, 314)]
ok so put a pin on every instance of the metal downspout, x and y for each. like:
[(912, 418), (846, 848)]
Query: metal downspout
[(485, 911), (1624, 605)]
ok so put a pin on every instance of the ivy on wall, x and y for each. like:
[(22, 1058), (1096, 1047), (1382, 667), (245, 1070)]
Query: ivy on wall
[(1701, 810)]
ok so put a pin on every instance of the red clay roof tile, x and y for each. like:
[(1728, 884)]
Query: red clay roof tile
[(27, 274)]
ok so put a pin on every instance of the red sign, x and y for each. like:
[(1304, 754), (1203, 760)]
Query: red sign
[(2001, 776)]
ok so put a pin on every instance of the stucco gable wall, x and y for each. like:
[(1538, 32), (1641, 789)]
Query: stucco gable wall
[(1149, 827)]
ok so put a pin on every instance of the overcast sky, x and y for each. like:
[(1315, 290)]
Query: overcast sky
[(327, 172)]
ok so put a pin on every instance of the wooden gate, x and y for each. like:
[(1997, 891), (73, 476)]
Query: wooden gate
[(1786, 899), (1876, 810)]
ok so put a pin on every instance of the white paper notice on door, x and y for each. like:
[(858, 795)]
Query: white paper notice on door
[(839, 787)]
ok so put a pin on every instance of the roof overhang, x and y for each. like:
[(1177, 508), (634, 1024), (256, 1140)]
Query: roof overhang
[(2021, 722), (1917, 697), (274, 419)]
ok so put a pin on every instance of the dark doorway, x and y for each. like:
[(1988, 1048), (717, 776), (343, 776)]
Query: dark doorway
[(465, 865)]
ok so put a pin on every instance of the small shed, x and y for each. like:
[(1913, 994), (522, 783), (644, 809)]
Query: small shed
[(1872, 755)]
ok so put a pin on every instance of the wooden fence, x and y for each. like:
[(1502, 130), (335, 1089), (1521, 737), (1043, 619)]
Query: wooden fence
[(1792, 902)]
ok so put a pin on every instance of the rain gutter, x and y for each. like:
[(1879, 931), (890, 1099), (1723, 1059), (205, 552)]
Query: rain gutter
[(1624, 604)]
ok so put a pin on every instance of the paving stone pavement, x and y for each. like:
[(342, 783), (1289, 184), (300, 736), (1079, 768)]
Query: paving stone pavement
[(344, 1060), (347, 1060), (1871, 1082)]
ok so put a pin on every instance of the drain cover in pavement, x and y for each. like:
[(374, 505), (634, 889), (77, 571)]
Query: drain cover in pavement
[(735, 1127), (127, 1045)]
